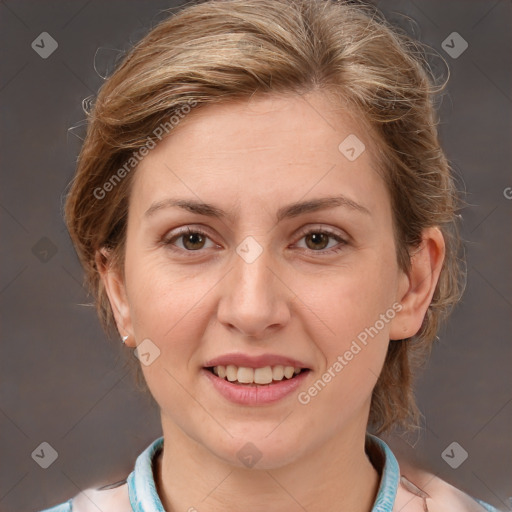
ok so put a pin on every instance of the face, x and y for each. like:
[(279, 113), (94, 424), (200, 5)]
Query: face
[(254, 283)]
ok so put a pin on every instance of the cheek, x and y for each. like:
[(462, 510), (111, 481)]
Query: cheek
[(353, 351), (170, 306), (349, 323), (351, 299)]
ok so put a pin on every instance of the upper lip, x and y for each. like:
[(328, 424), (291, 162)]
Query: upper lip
[(260, 361)]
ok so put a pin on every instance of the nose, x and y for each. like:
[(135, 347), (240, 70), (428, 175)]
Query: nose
[(255, 297)]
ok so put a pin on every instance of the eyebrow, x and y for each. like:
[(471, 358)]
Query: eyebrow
[(289, 211)]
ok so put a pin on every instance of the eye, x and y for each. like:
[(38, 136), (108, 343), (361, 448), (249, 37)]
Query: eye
[(193, 239), (318, 239)]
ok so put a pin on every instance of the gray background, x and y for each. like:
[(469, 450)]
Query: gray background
[(65, 384)]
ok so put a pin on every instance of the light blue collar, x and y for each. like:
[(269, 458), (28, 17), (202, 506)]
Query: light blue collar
[(390, 475), (141, 482), (144, 497)]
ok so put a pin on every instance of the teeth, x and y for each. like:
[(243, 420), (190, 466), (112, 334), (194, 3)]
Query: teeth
[(278, 372), (231, 372), (245, 375), (289, 371), (221, 371), (263, 375)]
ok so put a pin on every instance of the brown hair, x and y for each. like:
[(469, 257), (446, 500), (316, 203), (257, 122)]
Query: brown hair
[(223, 50)]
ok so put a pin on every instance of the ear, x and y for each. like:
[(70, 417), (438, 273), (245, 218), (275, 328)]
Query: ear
[(116, 291), (416, 289)]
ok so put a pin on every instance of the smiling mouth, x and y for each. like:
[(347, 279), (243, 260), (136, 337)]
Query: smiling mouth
[(256, 376)]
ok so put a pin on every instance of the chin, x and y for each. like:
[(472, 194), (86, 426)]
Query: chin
[(256, 449)]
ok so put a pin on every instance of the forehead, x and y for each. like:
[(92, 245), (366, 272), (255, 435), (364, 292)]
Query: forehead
[(267, 147)]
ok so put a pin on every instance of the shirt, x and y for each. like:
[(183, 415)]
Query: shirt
[(139, 492)]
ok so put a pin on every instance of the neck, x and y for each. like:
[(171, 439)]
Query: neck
[(336, 476)]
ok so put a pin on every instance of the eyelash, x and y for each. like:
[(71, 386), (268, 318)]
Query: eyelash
[(196, 231)]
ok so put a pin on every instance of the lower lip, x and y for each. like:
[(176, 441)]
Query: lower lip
[(244, 394)]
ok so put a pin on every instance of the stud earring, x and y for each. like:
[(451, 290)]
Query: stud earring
[(124, 338)]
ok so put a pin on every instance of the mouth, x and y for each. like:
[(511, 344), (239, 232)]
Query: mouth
[(253, 377)]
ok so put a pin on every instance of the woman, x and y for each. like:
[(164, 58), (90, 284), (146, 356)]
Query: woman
[(266, 217)]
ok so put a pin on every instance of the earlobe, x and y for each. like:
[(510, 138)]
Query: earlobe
[(419, 285), (116, 291)]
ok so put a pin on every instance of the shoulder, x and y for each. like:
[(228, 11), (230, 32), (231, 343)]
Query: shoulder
[(437, 494), (110, 498), (63, 507)]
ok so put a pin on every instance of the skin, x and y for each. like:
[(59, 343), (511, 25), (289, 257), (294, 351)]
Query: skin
[(297, 299)]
